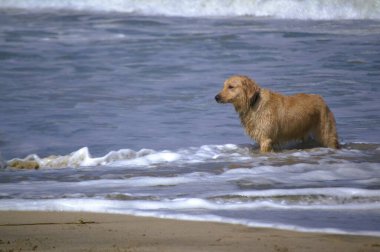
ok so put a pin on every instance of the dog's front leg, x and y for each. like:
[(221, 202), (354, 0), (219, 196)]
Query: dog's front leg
[(266, 145)]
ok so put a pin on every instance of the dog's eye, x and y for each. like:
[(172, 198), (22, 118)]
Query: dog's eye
[(230, 87)]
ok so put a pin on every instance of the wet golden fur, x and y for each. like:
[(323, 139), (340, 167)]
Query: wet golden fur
[(272, 119)]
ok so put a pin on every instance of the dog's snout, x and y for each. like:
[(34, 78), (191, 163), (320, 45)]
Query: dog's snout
[(217, 98)]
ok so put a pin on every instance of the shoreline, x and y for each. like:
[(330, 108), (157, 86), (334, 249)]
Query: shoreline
[(74, 231)]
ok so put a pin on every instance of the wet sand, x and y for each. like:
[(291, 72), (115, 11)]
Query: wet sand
[(64, 231)]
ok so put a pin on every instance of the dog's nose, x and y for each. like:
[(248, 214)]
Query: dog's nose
[(217, 98)]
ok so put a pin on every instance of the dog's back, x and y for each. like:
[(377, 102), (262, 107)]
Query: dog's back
[(297, 117)]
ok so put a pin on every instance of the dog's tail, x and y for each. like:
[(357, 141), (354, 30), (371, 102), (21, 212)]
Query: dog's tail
[(328, 133)]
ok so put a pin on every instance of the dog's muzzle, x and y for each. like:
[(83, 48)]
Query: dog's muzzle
[(218, 99)]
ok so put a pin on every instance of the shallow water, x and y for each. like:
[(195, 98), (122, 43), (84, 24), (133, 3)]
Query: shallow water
[(125, 103)]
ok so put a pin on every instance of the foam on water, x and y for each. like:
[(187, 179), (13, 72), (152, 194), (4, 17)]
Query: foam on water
[(293, 9), (99, 205), (141, 158), (305, 163)]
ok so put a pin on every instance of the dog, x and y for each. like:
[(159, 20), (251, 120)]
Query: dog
[(272, 119)]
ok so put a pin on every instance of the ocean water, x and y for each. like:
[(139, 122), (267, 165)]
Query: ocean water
[(115, 101)]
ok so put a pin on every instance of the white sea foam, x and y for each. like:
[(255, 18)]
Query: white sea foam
[(180, 204), (82, 157), (293, 9), (301, 161), (196, 203), (142, 158), (332, 192)]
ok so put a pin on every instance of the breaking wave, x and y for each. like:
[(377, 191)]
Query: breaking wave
[(148, 158), (284, 9), (131, 158)]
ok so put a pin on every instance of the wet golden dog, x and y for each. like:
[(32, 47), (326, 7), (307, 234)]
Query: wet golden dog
[(272, 119)]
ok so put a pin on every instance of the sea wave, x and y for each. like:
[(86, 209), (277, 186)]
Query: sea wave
[(102, 205), (148, 158), (144, 158), (283, 9)]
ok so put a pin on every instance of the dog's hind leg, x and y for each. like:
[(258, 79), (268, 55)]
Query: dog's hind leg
[(326, 132)]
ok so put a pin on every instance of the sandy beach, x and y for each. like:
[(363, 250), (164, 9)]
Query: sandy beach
[(63, 231)]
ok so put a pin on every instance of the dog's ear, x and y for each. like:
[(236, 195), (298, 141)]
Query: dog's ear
[(252, 90)]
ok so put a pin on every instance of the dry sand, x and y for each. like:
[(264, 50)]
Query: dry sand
[(62, 231)]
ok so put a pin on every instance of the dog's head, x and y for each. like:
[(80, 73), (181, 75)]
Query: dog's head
[(241, 91)]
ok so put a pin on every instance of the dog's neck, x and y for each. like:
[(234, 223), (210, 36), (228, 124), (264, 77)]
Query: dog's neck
[(245, 111)]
